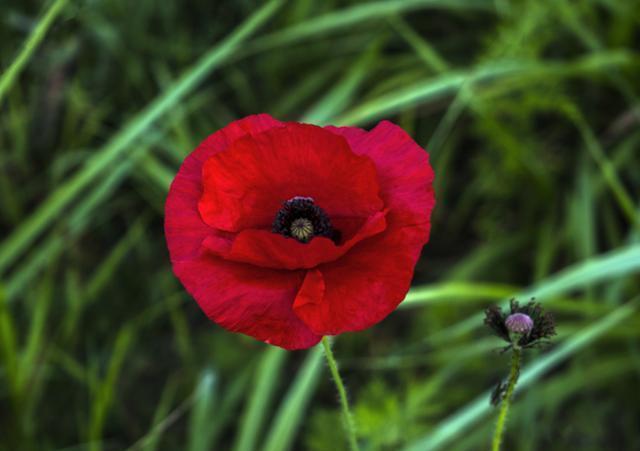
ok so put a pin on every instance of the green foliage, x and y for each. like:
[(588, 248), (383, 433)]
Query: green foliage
[(530, 111)]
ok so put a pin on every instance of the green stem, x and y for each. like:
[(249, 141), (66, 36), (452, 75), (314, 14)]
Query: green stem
[(36, 36), (349, 424), (504, 407)]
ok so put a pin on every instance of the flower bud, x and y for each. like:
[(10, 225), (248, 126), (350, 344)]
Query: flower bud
[(519, 323)]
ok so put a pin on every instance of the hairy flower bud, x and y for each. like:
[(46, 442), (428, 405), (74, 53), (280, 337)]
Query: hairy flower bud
[(521, 326), (519, 323)]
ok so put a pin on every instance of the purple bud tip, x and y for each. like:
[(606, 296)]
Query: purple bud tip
[(519, 323)]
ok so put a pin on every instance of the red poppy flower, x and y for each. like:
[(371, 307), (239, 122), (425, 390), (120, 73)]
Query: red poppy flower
[(287, 232)]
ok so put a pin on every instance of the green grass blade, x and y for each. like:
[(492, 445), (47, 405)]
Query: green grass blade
[(202, 414), (608, 170), (456, 424), (161, 418), (423, 50), (105, 273), (36, 339), (234, 392), (24, 235), (431, 90), (291, 412), (157, 172), (223, 411), (105, 392), (8, 346), (451, 82), (609, 266), (428, 294), (257, 409), (357, 14), (342, 93), (37, 35)]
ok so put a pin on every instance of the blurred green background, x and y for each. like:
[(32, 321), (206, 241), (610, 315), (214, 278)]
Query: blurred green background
[(530, 110)]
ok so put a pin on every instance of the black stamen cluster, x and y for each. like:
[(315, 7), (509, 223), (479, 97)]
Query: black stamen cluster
[(543, 323), (303, 207)]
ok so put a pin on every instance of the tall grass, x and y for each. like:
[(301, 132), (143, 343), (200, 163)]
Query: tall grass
[(529, 109)]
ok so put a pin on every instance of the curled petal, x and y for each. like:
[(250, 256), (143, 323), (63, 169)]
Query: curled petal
[(270, 250), (404, 173), (184, 228), (245, 186), (363, 286), (239, 297)]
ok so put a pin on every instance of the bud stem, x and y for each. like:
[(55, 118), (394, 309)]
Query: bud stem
[(349, 424), (504, 407)]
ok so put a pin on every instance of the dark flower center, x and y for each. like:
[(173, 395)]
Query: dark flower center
[(301, 219)]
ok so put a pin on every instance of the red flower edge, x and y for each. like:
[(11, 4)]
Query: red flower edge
[(376, 188)]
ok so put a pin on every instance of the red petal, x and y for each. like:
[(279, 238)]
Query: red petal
[(245, 186), (311, 291), (366, 284), (270, 250), (239, 297), (184, 228), (404, 173), (350, 293), (246, 299), (362, 287)]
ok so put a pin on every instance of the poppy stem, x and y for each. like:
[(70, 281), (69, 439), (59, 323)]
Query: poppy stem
[(506, 401), (349, 423)]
